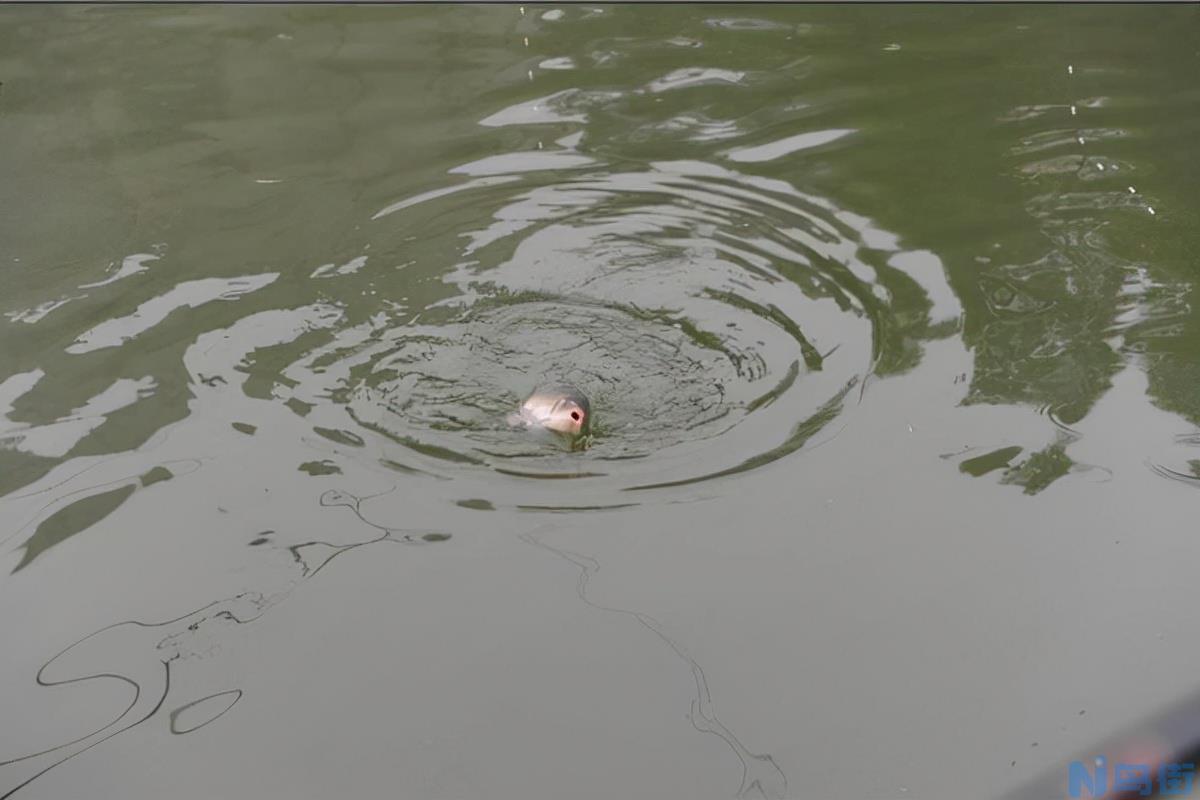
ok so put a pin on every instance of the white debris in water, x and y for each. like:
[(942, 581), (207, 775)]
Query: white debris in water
[(1073, 111), (522, 11), (1151, 210), (553, 15), (1070, 69), (891, 48), (531, 75), (1132, 190), (1100, 166), (268, 180), (527, 41), (1080, 139)]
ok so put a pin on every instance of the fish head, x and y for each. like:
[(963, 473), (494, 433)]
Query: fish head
[(569, 415)]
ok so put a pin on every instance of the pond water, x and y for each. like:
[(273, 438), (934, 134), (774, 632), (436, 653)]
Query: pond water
[(886, 315)]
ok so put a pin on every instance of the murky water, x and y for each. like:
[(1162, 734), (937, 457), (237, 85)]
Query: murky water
[(887, 320)]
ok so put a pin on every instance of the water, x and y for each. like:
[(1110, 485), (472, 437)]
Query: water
[(887, 320)]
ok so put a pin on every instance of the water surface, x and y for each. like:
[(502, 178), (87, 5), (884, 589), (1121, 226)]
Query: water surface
[(886, 315)]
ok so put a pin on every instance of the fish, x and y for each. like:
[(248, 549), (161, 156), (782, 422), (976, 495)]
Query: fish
[(561, 408)]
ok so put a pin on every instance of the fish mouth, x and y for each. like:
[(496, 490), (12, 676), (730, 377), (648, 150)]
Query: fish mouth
[(574, 425), (571, 427)]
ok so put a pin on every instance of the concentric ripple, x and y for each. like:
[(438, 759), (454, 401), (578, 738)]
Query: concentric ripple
[(717, 321)]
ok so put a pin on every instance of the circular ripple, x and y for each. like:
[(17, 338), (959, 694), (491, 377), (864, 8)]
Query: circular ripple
[(654, 383), (716, 320)]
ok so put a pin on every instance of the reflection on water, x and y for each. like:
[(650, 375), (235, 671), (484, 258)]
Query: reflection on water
[(760, 774), (141, 654), (274, 279)]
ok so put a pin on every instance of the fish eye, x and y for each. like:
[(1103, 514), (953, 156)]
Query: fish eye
[(575, 415)]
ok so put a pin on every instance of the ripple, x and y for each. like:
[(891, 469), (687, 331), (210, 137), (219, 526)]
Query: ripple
[(189, 294), (564, 106), (57, 438), (511, 163), (38, 312), (746, 24), (130, 265), (716, 319), (559, 63), (695, 127), (786, 146), (688, 77), (1054, 139)]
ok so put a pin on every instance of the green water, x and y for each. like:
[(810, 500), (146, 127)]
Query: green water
[(887, 319)]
